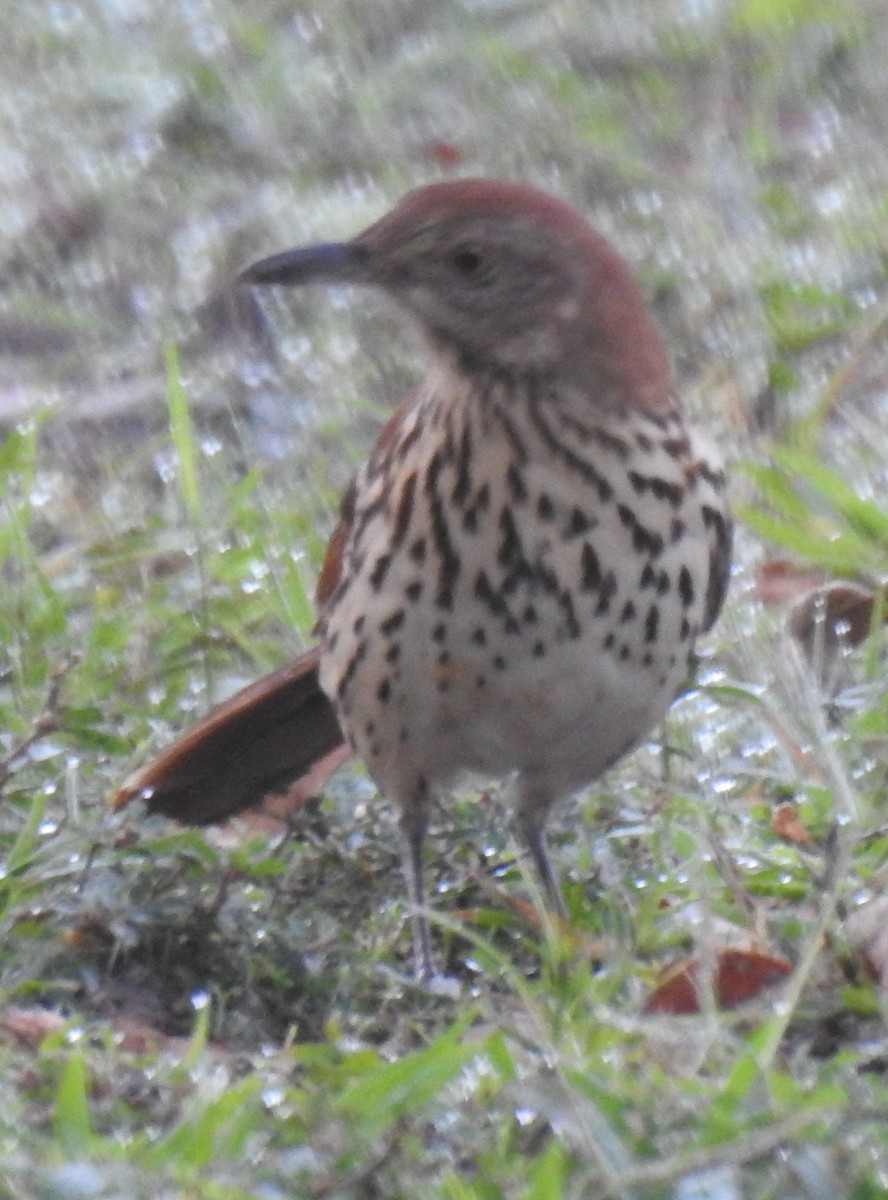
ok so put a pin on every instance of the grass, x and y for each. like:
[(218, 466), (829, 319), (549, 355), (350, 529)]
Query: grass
[(198, 1014), (193, 1015)]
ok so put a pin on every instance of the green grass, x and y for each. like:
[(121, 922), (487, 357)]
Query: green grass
[(234, 1017), (202, 1015)]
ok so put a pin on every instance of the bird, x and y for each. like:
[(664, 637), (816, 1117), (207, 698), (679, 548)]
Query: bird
[(522, 568)]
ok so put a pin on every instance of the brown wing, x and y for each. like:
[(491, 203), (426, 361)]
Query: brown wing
[(331, 570), (260, 740)]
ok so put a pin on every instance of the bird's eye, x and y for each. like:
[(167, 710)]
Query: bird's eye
[(469, 261)]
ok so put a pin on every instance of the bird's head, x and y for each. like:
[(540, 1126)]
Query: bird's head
[(503, 276)]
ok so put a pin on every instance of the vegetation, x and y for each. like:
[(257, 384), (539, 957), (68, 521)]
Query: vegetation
[(229, 1014)]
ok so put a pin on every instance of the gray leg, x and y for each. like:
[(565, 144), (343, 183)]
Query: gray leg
[(531, 813), (413, 823)]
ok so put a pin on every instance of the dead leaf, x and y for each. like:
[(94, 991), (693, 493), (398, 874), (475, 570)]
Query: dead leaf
[(832, 614), (29, 1025), (788, 825), (780, 581), (740, 975)]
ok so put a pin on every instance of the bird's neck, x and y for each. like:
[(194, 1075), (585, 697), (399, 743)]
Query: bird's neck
[(607, 366)]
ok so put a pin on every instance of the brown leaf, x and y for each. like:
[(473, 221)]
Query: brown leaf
[(780, 581), (838, 612), (787, 824), (740, 975), (28, 1025)]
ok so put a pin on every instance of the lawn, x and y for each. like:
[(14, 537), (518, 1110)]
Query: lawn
[(229, 1014)]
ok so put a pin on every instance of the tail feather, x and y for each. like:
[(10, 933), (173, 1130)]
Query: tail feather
[(259, 741)]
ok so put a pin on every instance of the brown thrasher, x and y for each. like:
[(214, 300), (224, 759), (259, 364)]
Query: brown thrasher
[(521, 570)]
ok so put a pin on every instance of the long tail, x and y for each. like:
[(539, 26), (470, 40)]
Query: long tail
[(259, 741)]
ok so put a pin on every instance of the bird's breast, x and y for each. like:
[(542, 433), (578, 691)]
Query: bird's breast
[(518, 592)]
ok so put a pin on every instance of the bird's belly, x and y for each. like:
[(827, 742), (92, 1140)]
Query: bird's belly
[(565, 709), (569, 719)]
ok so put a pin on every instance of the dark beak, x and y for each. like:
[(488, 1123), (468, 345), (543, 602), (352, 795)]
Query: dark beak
[(333, 262)]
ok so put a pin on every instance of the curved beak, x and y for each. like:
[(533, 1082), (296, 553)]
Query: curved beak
[(330, 262)]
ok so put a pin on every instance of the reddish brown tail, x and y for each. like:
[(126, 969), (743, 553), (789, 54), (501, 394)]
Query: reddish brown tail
[(260, 741)]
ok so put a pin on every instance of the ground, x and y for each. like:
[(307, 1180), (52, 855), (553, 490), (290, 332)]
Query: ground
[(229, 1014)]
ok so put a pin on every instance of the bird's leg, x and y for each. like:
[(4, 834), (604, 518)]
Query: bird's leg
[(413, 824), (531, 813)]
